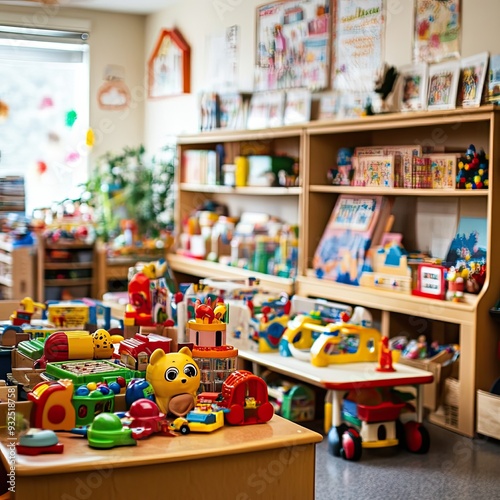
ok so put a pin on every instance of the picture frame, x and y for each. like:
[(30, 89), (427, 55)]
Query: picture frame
[(494, 79), (430, 281), (473, 72), (442, 85), (169, 66), (297, 106), (258, 113), (414, 87)]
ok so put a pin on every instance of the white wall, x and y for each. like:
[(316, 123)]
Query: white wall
[(199, 19), (114, 39)]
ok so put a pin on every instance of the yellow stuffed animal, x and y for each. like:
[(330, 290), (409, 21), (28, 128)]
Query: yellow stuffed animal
[(175, 378)]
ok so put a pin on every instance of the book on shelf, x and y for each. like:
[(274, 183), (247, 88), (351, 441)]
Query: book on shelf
[(199, 167), (422, 177), (357, 222), (443, 167)]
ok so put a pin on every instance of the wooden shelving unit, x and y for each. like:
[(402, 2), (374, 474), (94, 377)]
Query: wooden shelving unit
[(16, 262), (65, 267), (317, 144)]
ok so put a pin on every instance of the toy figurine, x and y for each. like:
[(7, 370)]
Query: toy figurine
[(385, 356), (175, 378)]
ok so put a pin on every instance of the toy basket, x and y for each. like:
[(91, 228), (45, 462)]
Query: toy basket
[(379, 413)]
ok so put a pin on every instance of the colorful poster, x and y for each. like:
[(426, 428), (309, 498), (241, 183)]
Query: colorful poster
[(359, 37), (437, 30), (293, 45)]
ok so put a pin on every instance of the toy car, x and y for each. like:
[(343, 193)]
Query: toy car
[(199, 421)]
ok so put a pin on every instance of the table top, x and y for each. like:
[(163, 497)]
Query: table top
[(341, 376), (229, 440)]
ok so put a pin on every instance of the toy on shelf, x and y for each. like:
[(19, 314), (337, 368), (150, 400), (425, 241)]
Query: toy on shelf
[(37, 441), (108, 431), (138, 388), (144, 418), (472, 170), (135, 352), (175, 378), (29, 307), (78, 314)]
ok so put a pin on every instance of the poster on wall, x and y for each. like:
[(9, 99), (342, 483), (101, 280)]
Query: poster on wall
[(293, 39), (358, 47), (437, 30)]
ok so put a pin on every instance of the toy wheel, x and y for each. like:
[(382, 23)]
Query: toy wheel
[(417, 438), (400, 433), (185, 429), (236, 415), (265, 412), (351, 445), (334, 444)]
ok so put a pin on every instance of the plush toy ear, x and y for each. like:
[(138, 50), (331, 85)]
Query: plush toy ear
[(156, 356), (185, 350)]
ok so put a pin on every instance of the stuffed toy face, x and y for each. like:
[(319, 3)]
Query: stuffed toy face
[(175, 378)]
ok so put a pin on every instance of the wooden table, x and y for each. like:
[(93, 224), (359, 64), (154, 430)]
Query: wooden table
[(272, 460), (342, 377)]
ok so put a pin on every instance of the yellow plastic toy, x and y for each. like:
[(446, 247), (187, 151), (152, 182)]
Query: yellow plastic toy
[(175, 378)]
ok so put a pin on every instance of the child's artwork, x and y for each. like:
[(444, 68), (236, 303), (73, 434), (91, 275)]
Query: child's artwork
[(443, 170), (358, 44), (297, 107), (379, 170), (437, 30), (293, 45), (443, 86), (413, 96), (494, 79), (473, 74), (356, 223)]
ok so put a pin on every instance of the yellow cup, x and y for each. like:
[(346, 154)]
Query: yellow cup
[(241, 174)]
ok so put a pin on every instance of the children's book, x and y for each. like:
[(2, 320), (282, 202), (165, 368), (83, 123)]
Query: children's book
[(443, 170), (378, 170), (357, 222)]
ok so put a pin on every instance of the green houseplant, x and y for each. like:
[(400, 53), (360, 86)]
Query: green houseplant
[(132, 186)]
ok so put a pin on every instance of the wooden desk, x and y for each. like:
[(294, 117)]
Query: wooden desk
[(272, 460), (338, 379)]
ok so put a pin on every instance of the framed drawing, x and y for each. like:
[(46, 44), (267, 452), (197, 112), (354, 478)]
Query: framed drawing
[(414, 93), (292, 45), (297, 107), (443, 85), (169, 66), (473, 71), (437, 30)]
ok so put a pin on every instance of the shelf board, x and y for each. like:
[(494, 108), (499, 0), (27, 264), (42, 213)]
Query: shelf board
[(440, 310), (70, 245), (6, 258), (318, 188), (222, 135), (247, 190), (68, 282), (68, 265), (401, 120), (205, 269)]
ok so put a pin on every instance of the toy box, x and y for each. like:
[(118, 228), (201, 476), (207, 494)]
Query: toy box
[(441, 367)]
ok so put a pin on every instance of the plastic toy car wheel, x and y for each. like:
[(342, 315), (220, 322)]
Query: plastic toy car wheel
[(334, 443), (351, 445), (185, 429), (236, 415), (417, 438), (265, 412)]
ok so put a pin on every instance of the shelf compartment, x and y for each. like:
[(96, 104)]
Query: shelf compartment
[(441, 310), (249, 190)]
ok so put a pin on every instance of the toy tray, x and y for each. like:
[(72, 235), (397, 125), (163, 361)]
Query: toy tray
[(85, 371), (380, 413)]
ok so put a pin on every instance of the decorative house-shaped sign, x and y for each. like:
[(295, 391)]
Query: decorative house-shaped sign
[(169, 66)]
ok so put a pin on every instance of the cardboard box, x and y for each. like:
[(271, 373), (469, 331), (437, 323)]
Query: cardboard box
[(488, 414), (441, 367), (23, 407)]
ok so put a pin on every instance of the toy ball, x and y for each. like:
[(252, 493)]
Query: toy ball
[(82, 391), (91, 386), (137, 389), (115, 387), (121, 381), (104, 390)]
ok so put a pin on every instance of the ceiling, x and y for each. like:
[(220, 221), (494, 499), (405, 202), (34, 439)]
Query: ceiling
[(129, 6)]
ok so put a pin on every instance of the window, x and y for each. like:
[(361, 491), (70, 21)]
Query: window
[(44, 88)]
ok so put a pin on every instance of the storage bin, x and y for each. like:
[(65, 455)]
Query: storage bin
[(447, 413), (488, 414), (441, 367)]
